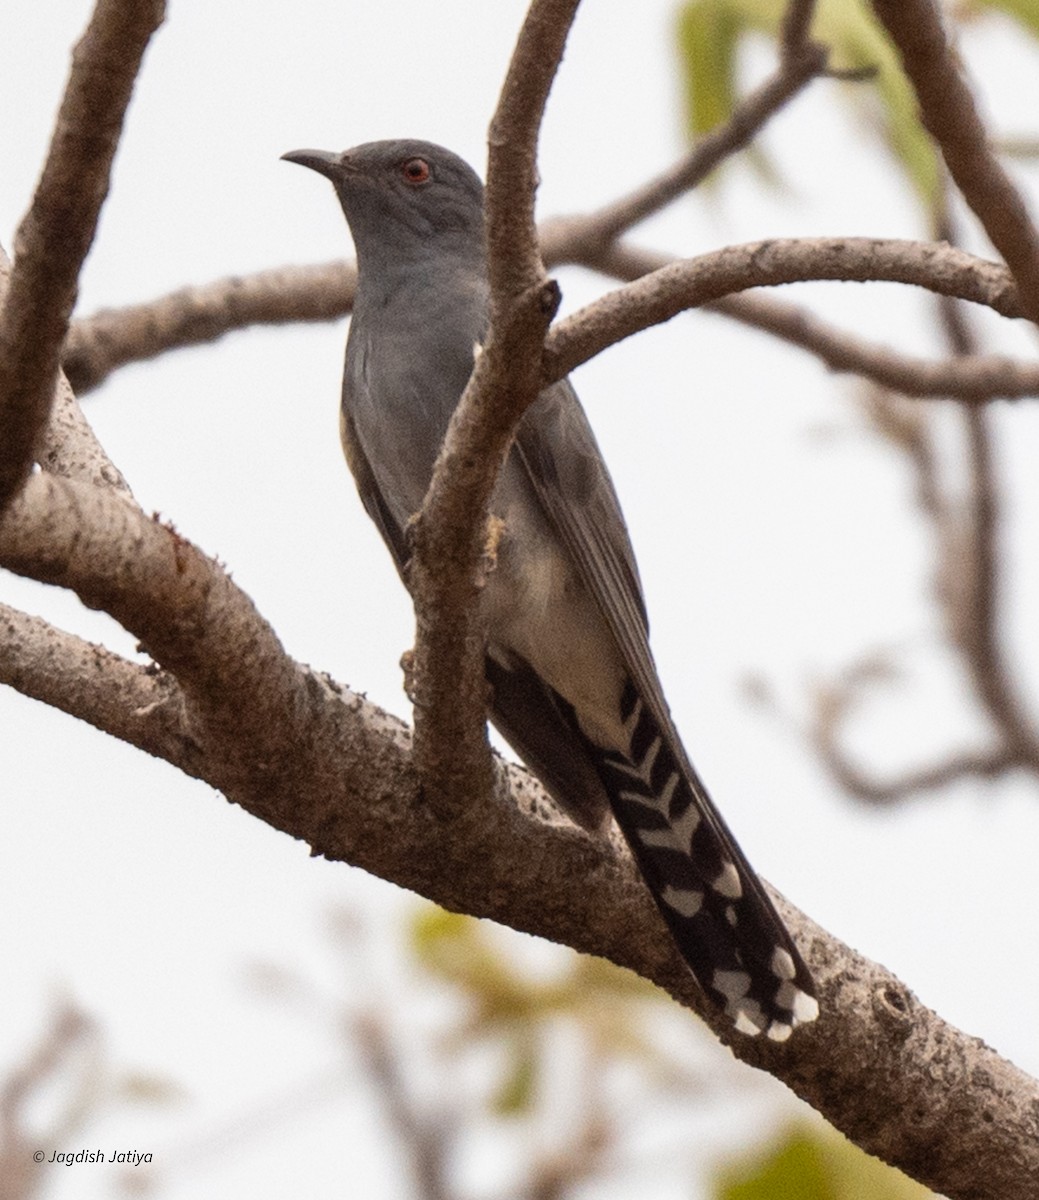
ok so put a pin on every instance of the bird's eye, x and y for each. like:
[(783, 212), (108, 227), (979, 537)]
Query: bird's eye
[(415, 170)]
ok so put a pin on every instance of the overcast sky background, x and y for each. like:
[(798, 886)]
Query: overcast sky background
[(776, 538)]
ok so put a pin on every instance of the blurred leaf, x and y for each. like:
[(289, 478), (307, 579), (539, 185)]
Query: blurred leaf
[(608, 1005), (516, 1092), (793, 1171), (709, 34), (814, 1163), (1024, 12)]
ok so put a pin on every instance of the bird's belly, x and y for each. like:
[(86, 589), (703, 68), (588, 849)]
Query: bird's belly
[(538, 609)]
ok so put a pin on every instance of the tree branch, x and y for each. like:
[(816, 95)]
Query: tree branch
[(100, 344), (68, 445), (237, 682), (568, 238), (972, 378), (689, 283), (57, 231), (349, 789), (109, 339), (326, 766), (950, 115), (450, 535), (138, 704)]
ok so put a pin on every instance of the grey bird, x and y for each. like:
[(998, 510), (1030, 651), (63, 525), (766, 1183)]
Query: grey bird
[(573, 686)]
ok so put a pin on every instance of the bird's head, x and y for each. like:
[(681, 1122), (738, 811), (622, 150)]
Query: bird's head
[(403, 198)]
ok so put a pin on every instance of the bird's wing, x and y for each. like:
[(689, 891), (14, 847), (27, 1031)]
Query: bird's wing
[(556, 445), (368, 489), (717, 909)]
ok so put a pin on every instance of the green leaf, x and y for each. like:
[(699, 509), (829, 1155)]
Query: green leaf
[(814, 1163), (794, 1170), (709, 36), (1024, 12), (708, 33), (517, 1090)]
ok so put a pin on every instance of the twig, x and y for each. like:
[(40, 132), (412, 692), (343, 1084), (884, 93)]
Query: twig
[(966, 531), (425, 1141), (797, 20), (19, 1173), (57, 231), (974, 378), (950, 115), (832, 706), (566, 238)]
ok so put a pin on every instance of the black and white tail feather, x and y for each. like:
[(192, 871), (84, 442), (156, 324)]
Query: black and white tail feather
[(715, 906)]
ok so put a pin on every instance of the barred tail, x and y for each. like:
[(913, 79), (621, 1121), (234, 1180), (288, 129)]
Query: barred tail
[(716, 908)]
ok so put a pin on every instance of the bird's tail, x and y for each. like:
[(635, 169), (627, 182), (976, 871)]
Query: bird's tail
[(715, 906)]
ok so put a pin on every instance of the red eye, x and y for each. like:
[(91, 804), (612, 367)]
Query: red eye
[(415, 170)]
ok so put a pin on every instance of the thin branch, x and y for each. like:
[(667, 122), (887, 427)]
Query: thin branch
[(950, 115), (193, 316), (689, 283), (965, 524), (450, 535), (425, 1141), (68, 446), (48, 1061), (793, 31), (513, 262), (57, 231), (832, 706), (974, 378), (567, 238)]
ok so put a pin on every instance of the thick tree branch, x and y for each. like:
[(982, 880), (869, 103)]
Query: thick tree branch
[(950, 115), (182, 606), (349, 789), (57, 231), (327, 767), (450, 536), (141, 705), (70, 447)]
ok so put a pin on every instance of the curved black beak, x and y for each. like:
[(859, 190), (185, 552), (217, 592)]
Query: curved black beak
[(323, 161)]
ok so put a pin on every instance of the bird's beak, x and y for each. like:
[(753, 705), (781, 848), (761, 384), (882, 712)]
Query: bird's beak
[(322, 161)]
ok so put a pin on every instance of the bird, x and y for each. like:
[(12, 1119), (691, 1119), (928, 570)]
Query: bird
[(572, 683)]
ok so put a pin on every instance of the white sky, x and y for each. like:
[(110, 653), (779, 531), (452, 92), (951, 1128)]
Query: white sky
[(776, 537)]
